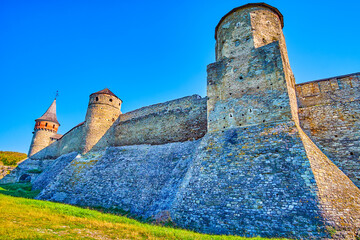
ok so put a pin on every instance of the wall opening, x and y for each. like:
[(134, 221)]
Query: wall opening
[(25, 178)]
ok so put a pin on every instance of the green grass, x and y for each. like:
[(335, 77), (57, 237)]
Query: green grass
[(23, 218), (18, 190), (34, 171), (11, 158)]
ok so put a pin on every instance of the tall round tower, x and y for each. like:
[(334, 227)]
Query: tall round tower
[(251, 83), (104, 108), (45, 130)]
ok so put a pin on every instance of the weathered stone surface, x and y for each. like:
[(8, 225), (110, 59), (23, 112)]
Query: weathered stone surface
[(49, 174), (256, 169), (223, 183), (330, 114), (29, 169), (251, 181), (5, 170), (142, 179), (178, 120)]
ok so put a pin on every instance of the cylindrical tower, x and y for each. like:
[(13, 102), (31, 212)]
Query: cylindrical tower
[(104, 108), (45, 130), (251, 83)]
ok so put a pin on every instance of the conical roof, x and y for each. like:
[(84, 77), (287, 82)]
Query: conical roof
[(106, 91), (50, 114)]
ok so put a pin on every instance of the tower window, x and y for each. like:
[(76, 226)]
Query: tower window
[(110, 100), (45, 124), (54, 126), (97, 99)]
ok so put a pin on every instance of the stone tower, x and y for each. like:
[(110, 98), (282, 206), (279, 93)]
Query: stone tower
[(251, 82), (258, 173), (104, 108), (45, 130)]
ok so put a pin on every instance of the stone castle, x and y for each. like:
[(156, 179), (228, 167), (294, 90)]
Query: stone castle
[(259, 156)]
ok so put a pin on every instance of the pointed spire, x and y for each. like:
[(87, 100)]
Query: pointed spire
[(50, 114)]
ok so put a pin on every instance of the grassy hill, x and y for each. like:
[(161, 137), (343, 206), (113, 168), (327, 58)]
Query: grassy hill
[(11, 158), (23, 218)]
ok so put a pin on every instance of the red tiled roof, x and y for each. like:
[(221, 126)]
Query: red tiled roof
[(105, 91)]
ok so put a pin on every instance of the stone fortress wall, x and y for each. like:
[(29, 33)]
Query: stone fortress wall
[(258, 156), (173, 121), (329, 112)]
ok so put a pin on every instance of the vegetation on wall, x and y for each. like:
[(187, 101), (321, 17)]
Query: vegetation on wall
[(11, 158)]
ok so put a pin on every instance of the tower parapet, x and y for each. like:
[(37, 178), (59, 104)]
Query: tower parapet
[(45, 130), (104, 108)]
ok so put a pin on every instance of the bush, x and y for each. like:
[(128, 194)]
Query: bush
[(18, 190), (11, 158), (34, 171)]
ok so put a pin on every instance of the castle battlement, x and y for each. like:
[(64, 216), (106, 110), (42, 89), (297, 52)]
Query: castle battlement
[(325, 91)]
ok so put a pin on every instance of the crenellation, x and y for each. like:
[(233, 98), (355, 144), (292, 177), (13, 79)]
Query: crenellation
[(326, 91)]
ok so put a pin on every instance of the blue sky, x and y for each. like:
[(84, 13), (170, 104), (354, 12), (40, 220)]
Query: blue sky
[(146, 52)]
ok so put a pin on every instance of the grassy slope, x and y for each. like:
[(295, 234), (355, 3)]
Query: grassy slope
[(11, 158), (23, 218)]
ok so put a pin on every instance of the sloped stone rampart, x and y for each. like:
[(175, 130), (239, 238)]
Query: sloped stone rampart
[(53, 170), (29, 167), (141, 179), (5, 170), (329, 113), (269, 180), (338, 195), (251, 181)]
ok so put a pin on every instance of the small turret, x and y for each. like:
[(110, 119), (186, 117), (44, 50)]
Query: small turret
[(104, 108), (45, 130)]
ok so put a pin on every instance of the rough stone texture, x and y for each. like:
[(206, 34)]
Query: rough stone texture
[(178, 120), (118, 176), (338, 195), (255, 172), (49, 174), (28, 167), (41, 139), (251, 81), (102, 112), (329, 113), (5, 170), (251, 181), (73, 141)]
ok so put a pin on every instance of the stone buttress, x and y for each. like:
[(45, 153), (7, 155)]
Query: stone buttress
[(257, 172)]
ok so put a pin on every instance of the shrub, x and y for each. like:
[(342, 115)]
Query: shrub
[(34, 171), (11, 158)]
